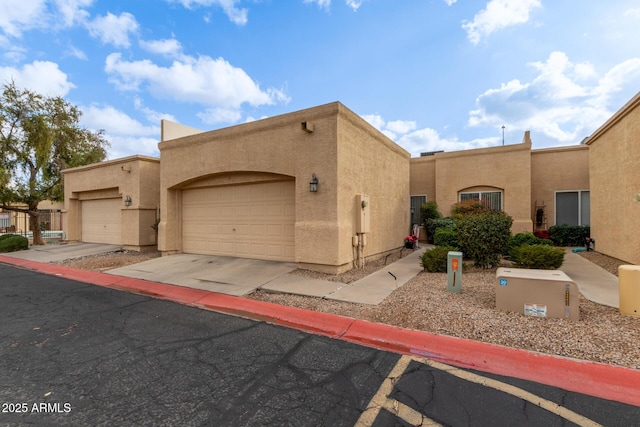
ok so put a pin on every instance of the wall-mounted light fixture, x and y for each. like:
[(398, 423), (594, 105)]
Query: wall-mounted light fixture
[(313, 184), (127, 201)]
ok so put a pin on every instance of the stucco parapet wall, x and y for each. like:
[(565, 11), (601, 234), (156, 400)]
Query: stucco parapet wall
[(619, 115), (524, 145), (136, 157), (580, 147), (295, 118)]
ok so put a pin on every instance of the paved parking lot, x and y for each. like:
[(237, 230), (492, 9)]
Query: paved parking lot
[(78, 354)]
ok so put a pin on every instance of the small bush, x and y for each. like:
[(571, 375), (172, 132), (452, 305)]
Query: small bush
[(470, 207), (435, 260), (429, 210), (6, 236), (436, 223), (484, 237), (569, 235), (542, 257), (446, 237), (542, 234), (13, 243), (527, 239)]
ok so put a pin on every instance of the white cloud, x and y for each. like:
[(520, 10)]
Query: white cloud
[(401, 126), (450, 2), (497, 15), (375, 120), (72, 12), (213, 83), (18, 16), (76, 53), (166, 47), (322, 4), (236, 15), (404, 133), (112, 29), (220, 115), (42, 77), (151, 115), (116, 122), (425, 140), (326, 4), (354, 4), (126, 135), (563, 102)]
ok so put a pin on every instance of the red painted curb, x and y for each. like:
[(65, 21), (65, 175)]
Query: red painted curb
[(309, 321), (595, 379)]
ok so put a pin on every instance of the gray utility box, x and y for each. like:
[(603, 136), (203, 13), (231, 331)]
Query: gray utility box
[(538, 293)]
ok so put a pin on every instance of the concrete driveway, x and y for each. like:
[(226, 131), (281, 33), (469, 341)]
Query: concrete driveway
[(227, 275), (60, 252)]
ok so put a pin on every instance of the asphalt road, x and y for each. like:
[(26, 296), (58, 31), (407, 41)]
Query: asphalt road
[(79, 354)]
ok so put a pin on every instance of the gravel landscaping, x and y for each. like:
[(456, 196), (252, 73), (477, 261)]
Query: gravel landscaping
[(601, 335)]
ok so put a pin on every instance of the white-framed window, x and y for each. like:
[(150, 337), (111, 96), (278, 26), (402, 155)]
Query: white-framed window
[(493, 199), (573, 207), (416, 202)]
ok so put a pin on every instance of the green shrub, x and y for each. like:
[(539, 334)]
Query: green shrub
[(14, 243), (429, 210), (435, 223), (435, 260), (527, 239), (543, 257), (470, 207), (484, 237), (6, 236), (569, 235), (446, 237)]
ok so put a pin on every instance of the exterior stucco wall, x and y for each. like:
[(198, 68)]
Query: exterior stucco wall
[(557, 169), (371, 164), (135, 176), (614, 156), (423, 177), (504, 168), (346, 154)]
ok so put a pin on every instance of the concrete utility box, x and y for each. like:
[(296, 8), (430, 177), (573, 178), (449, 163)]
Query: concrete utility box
[(454, 271), (538, 293), (629, 286)]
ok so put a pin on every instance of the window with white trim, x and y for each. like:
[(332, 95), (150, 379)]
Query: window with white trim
[(572, 207), (416, 204), (493, 199)]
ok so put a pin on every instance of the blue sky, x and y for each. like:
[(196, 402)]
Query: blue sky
[(430, 74)]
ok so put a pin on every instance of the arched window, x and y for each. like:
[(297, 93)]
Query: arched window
[(491, 198)]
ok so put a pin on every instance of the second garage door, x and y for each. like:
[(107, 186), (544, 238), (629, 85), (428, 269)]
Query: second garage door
[(101, 221), (248, 221)]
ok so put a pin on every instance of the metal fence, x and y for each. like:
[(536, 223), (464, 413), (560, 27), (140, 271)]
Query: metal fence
[(49, 220)]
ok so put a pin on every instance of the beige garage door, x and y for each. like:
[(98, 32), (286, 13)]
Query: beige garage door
[(101, 221), (248, 221)]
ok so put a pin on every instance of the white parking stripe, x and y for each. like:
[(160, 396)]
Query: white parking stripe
[(381, 399)]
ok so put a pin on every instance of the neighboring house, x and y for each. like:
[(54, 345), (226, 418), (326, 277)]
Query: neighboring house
[(537, 188), (614, 160), (321, 187), (50, 218), (113, 202)]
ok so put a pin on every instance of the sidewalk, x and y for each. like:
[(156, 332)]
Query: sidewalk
[(594, 283)]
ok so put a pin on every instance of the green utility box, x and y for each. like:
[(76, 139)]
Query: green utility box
[(454, 272)]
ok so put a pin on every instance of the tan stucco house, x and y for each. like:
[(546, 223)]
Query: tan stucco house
[(512, 178), (614, 159), (323, 188), (113, 202)]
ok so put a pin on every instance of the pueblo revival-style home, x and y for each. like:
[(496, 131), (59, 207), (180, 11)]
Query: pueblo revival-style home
[(323, 188)]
